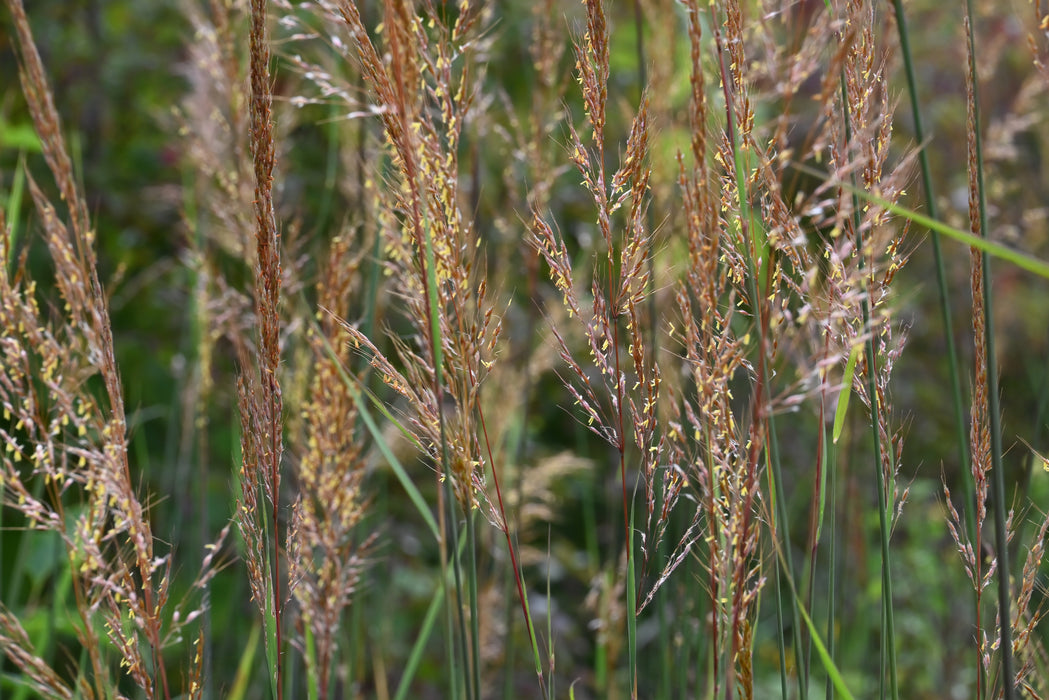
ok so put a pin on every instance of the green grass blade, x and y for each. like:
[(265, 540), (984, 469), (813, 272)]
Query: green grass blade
[(843, 399), (312, 684), (14, 206), (954, 374), (471, 669), (247, 663), (475, 613), (411, 666), (823, 481), (997, 250), (359, 393), (536, 659), (832, 564), (272, 652), (631, 613), (828, 664)]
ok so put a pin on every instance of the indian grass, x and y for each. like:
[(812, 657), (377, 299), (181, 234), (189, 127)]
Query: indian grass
[(258, 387), (683, 268), (76, 441), (863, 63)]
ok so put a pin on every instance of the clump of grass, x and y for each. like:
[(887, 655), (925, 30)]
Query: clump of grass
[(622, 323), (621, 409), (985, 563), (259, 387), (326, 549), (428, 242), (65, 464)]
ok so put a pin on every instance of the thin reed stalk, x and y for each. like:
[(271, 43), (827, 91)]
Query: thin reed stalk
[(988, 374), (888, 646), (953, 366), (763, 426), (259, 387)]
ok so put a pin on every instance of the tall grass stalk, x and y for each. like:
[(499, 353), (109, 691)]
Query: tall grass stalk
[(883, 480), (69, 442), (831, 468), (762, 419), (954, 374), (259, 389), (989, 373)]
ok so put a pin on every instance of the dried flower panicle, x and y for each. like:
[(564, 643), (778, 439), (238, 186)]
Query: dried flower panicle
[(421, 214), (326, 549), (620, 400), (63, 430)]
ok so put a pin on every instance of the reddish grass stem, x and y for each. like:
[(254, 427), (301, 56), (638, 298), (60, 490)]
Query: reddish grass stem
[(268, 298)]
